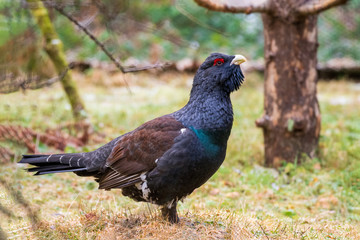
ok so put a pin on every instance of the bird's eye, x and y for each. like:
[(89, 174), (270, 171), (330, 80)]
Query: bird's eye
[(218, 61)]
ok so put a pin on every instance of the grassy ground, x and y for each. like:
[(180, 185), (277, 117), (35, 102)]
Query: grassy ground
[(317, 200)]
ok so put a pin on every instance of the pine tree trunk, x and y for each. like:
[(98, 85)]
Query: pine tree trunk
[(291, 123), (54, 48)]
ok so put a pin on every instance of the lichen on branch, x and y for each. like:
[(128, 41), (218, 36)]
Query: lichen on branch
[(54, 48)]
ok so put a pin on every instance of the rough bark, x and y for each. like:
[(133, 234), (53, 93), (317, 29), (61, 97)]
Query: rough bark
[(53, 47), (315, 6), (290, 7), (291, 123), (235, 6)]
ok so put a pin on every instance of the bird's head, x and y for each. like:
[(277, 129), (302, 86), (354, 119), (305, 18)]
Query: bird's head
[(220, 72)]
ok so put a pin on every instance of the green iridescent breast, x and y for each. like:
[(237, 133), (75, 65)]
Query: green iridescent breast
[(209, 140)]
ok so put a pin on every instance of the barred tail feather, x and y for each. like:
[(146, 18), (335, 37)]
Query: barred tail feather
[(56, 163)]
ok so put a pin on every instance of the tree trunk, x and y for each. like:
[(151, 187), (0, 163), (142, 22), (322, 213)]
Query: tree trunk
[(54, 48), (291, 123)]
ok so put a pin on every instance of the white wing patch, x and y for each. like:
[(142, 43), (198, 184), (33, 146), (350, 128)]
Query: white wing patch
[(182, 130), (145, 191), (144, 187), (138, 185)]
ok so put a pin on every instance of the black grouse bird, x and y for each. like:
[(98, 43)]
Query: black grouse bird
[(165, 159)]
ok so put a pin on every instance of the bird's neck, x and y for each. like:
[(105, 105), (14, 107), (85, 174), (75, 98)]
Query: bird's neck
[(211, 112)]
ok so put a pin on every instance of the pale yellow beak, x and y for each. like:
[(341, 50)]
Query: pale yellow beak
[(238, 59)]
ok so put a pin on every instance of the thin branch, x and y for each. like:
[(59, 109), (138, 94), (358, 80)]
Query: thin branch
[(19, 198), (303, 232), (192, 18), (317, 6), (3, 234), (86, 31), (236, 6), (156, 65), (266, 235), (28, 82), (102, 47), (6, 212)]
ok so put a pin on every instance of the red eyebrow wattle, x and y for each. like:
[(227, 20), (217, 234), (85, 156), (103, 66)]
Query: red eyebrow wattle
[(218, 60)]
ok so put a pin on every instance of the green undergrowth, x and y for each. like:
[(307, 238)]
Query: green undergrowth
[(318, 199)]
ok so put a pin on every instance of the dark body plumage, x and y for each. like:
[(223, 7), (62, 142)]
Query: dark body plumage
[(165, 159)]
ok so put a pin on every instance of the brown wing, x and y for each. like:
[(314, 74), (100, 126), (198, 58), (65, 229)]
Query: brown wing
[(137, 151)]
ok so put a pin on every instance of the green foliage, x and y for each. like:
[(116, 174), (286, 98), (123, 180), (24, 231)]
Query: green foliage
[(13, 20), (181, 29), (184, 29), (339, 32)]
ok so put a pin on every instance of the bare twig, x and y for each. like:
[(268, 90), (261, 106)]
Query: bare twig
[(3, 234), (192, 18), (148, 206), (156, 65), (87, 32), (19, 198), (27, 82), (303, 232), (236, 6), (317, 6), (266, 235), (102, 47), (6, 212)]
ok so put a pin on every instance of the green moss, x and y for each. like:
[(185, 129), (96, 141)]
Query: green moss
[(54, 48)]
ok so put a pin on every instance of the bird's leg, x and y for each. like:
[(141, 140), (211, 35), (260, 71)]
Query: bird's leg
[(170, 213)]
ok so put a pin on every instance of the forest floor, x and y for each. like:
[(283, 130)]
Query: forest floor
[(319, 199)]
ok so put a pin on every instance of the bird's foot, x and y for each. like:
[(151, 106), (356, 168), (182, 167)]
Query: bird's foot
[(170, 214)]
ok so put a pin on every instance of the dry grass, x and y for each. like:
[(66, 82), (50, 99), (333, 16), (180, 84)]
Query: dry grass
[(318, 200)]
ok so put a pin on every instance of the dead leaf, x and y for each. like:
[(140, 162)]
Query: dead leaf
[(233, 195), (315, 180), (214, 191), (317, 166), (327, 202)]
